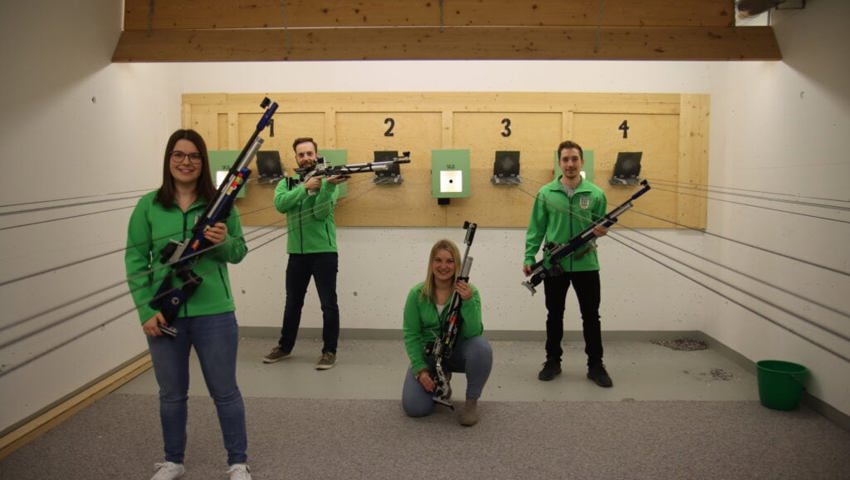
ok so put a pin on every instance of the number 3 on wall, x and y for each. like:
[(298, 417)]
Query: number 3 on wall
[(507, 123), (389, 121)]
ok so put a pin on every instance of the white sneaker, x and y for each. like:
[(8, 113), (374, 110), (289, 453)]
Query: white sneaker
[(239, 471), (168, 471)]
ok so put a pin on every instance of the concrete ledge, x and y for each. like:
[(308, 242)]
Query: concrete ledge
[(499, 335)]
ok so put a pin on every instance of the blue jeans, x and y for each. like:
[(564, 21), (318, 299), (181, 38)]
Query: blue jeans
[(323, 268), (472, 356), (215, 338)]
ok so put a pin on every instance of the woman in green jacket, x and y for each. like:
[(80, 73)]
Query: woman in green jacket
[(206, 321), (424, 314)]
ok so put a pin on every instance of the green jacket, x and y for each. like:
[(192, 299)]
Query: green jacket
[(422, 324), (150, 228), (309, 218), (556, 218)]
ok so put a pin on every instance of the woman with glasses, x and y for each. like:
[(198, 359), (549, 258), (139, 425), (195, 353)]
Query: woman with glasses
[(206, 320)]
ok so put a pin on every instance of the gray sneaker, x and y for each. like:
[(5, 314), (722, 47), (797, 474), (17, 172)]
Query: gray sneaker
[(277, 354), (469, 415), (239, 471), (168, 471), (327, 361)]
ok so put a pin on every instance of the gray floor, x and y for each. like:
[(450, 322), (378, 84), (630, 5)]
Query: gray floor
[(694, 414), (373, 369)]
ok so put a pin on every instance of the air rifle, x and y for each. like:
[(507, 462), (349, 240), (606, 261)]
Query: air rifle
[(441, 349), (182, 255), (322, 168), (553, 253)]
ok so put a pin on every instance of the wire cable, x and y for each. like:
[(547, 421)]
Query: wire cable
[(736, 302), (829, 219), (68, 205), (121, 295), (708, 186), (757, 197), (41, 222), (739, 242), (739, 272), (36, 202)]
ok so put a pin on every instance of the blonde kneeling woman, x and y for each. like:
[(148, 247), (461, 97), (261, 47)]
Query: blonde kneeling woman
[(424, 314)]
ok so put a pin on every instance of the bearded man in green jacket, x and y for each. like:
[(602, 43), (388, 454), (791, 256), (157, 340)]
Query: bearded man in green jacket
[(311, 245), (562, 209)]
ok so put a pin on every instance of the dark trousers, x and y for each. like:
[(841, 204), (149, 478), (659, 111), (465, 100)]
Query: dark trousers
[(323, 268), (587, 290)]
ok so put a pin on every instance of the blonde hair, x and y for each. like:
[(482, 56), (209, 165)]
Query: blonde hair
[(429, 288)]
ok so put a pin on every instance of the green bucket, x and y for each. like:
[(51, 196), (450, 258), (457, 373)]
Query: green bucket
[(780, 383)]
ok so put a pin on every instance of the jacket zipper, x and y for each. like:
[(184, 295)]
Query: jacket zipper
[(223, 283), (570, 224), (186, 303), (301, 225)]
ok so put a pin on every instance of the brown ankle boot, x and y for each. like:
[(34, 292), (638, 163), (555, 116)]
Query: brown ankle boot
[(469, 414)]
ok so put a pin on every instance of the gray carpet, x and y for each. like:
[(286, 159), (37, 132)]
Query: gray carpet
[(119, 438)]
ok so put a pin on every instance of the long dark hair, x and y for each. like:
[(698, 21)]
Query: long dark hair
[(203, 187)]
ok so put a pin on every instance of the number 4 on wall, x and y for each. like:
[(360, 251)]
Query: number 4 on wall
[(625, 128)]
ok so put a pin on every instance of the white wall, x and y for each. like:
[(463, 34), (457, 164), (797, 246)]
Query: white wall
[(783, 127), (72, 124)]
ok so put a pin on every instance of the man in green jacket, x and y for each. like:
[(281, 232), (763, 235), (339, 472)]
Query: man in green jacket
[(311, 245), (562, 209)]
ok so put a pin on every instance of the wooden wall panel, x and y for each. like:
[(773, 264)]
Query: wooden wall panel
[(449, 43), (671, 130), (206, 122), (535, 135), (408, 204), (225, 134), (272, 30), (202, 14), (257, 208), (693, 153), (657, 136), (611, 13)]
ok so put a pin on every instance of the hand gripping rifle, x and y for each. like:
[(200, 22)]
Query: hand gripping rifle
[(182, 255), (322, 168), (552, 254), (441, 350)]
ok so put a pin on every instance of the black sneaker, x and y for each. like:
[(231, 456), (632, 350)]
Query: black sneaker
[(551, 368), (598, 374)]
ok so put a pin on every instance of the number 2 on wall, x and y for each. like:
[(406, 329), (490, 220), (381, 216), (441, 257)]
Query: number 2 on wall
[(625, 128), (389, 121)]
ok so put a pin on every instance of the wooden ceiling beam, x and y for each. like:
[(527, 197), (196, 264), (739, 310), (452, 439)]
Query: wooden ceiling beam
[(450, 43), (152, 15)]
